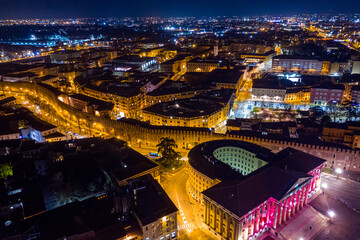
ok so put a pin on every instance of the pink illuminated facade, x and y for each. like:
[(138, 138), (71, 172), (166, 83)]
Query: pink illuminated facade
[(225, 216)]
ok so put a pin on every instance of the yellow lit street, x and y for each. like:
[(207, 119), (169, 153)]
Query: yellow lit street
[(190, 225)]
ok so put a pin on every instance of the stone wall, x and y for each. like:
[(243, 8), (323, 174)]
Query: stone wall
[(143, 135)]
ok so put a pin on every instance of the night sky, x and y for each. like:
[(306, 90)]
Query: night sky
[(119, 8)]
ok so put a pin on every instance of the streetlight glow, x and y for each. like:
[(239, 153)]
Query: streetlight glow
[(324, 186), (338, 171), (331, 213)]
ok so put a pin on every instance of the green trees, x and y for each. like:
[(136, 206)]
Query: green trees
[(169, 157), (325, 120), (5, 170), (351, 112)]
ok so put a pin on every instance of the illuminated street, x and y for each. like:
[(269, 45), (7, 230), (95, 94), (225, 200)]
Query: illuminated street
[(175, 186), (342, 197), (191, 120)]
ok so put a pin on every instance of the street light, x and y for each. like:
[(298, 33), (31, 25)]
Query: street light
[(331, 215), (324, 186), (338, 171)]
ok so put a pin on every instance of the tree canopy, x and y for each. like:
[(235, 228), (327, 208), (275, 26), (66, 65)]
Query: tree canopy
[(166, 148)]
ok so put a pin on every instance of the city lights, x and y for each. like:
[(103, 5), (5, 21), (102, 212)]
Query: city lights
[(197, 127)]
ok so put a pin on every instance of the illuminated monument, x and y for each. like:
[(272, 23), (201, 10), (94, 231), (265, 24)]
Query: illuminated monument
[(248, 188)]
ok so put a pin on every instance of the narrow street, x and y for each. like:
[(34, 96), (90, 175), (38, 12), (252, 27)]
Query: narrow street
[(175, 186)]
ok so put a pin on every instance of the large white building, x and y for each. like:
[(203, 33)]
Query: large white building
[(268, 94)]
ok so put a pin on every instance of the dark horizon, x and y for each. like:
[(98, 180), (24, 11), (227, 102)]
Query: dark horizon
[(25, 9)]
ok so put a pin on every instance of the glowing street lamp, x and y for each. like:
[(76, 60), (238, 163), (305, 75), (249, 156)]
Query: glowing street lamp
[(331, 215), (324, 186), (338, 171)]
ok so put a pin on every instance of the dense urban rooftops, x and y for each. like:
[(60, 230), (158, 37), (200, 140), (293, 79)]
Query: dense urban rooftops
[(186, 108), (201, 105), (224, 76)]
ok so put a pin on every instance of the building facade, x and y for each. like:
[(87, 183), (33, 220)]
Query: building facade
[(201, 65), (297, 96), (327, 93), (298, 64), (355, 94), (268, 94), (244, 207)]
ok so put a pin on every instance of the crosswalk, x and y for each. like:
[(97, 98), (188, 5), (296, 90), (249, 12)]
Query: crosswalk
[(187, 226)]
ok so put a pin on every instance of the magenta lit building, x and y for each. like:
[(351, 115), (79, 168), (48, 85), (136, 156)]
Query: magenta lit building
[(238, 208)]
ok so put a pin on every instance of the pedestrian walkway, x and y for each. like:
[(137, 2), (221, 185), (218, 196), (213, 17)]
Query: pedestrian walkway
[(305, 225), (188, 226)]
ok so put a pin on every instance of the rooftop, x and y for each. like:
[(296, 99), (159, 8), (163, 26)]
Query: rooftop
[(201, 158), (295, 57), (244, 195), (20, 75), (7, 68), (224, 76), (185, 108), (97, 103), (10, 123), (288, 169), (126, 90), (329, 85), (152, 201), (172, 87)]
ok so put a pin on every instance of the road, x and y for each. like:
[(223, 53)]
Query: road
[(346, 221), (340, 188), (188, 224)]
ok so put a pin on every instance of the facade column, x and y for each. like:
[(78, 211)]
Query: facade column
[(227, 225), (221, 222), (296, 202), (318, 180), (246, 232), (206, 212), (300, 199), (281, 207), (216, 218), (291, 205), (264, 208), (286, 202), (252, 223), (288, 210), (276, 216), (236, 229), (312, 184), (214, 226), (306, 195), (303, 196), (241, 226), (257, 220), (261, 210), (268, 209)]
